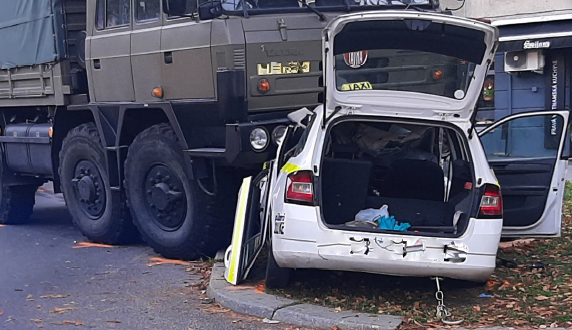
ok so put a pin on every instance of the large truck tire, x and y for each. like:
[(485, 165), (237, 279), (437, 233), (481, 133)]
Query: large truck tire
[(16, 203), (174, 216), (100, 216)]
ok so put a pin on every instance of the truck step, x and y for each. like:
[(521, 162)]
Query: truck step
[(206, 152)]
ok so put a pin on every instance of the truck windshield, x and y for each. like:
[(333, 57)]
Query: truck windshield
[(236, 5), (403, 70)]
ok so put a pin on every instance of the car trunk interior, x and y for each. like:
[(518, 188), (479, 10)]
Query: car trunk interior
[(420, 171)]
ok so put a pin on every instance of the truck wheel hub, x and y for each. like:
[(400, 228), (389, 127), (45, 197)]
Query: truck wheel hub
[(160, 196), (165, 196), (90, 189), (86, 189)]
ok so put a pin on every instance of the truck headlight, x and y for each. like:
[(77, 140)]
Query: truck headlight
[(278, 134), (259, 139)]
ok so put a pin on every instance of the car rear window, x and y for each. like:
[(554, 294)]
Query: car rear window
[(407, 55)]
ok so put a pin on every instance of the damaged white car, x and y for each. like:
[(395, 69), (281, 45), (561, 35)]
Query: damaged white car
[(388, 176)]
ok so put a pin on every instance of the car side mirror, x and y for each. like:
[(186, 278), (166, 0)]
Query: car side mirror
[(175, 7), (210, 10)]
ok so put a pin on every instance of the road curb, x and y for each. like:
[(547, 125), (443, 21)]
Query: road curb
[(247, 300)]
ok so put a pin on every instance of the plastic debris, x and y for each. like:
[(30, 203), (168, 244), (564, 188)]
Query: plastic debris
[(389, 223), (269, 321), (372, 214), (484, 295), (379, 217)]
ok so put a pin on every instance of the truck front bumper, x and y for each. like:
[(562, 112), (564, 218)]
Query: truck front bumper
[(239, 151)]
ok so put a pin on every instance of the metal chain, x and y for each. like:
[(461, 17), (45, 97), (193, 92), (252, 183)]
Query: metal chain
[(442, 310)]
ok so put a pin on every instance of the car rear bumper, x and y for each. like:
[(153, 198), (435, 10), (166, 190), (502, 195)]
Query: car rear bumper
[(309, 244)]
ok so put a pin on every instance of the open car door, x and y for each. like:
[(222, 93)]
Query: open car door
[(528, 153), (252, 218), (250, 228)]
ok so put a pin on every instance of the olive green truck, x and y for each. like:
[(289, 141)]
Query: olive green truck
[(146, 114)]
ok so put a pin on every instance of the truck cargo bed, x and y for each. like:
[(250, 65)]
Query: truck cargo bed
[(53, 71)]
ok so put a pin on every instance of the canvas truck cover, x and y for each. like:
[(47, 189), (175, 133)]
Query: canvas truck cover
[(31, 32)]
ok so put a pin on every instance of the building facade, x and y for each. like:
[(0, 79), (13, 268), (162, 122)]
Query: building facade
[(533, 67)]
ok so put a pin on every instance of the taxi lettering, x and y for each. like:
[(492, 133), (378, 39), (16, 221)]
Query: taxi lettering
[(364, 85)]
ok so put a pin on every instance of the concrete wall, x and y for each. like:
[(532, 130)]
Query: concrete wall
[(499, 9)]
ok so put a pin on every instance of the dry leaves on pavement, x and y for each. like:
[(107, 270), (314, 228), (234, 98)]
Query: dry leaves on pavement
[(88, 244), (55, 296), (154, 261)]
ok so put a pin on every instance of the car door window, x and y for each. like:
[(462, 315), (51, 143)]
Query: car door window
[(117, 13), (531, 137), (100, 14), (147, 10), (188, 7)]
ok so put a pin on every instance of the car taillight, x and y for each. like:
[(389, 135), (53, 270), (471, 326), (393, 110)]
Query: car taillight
[(491, 202), (300, 188)]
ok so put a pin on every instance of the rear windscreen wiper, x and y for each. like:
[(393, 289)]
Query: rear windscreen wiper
[(314, 10)]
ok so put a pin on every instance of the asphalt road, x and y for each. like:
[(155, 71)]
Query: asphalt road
[(47, 283)]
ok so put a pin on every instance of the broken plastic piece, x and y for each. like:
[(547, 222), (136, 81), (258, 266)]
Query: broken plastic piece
[(483, 295), (269, 321)]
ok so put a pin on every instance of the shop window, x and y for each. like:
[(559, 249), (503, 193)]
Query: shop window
[(147, 10), (487, 98)]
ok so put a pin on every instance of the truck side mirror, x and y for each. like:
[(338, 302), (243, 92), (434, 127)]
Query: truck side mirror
[(210, 10), (175, 7)]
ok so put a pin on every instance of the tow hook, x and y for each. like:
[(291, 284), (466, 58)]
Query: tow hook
[(455, 252)]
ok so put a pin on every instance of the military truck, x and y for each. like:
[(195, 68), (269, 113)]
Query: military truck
[(146, 114)]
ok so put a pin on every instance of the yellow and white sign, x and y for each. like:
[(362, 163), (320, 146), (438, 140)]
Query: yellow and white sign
[(265, 69), (362, 85), (232, 255)]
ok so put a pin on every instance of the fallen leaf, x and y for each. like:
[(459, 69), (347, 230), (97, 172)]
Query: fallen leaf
[(337, 309), (260, 287), (58, 310), (55, 296), (113, 321), (241, 287), (1, 313), (88, 244), (541, 298), (154, 261), (68, 322), (36, 320), (335, 327)]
